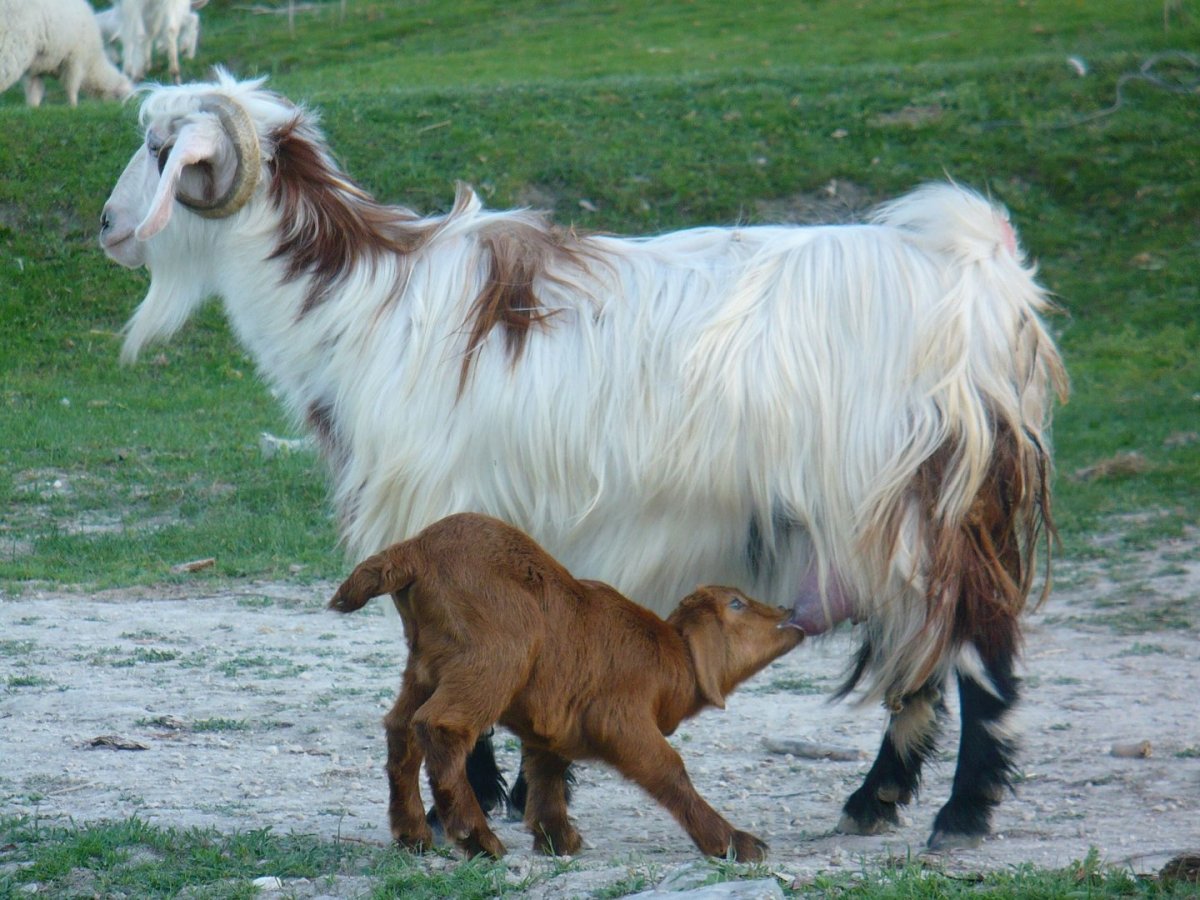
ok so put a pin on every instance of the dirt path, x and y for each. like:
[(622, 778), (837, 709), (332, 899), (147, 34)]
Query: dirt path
[(259, 708)]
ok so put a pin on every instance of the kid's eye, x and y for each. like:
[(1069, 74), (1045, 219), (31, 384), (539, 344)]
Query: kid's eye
[(737, 603)]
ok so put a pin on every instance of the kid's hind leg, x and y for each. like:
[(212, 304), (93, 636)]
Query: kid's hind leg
[(405, 812), (546, 803), (520, 790), (466, 702), (896, 774)]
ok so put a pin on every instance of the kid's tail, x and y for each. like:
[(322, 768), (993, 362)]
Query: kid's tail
[(384, 573)]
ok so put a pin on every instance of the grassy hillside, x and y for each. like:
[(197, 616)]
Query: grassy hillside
[(619, 116)]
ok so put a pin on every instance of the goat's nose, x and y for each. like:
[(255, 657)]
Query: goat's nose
[(105, 221)]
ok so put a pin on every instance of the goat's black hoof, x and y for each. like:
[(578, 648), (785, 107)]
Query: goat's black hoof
[(945, 841), (866, 812), (848, 824), (960, 825)]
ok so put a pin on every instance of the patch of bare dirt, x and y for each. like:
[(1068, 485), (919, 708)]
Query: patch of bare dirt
[(258, 708)]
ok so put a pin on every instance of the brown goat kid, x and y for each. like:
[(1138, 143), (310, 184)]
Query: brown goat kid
[(499, 632)]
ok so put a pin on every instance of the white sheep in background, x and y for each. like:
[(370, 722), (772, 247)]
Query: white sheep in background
[(56, 37), (109, 23), (169, 25), (846, 419)]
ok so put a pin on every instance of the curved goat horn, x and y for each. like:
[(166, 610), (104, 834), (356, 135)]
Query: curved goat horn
[(244, 136)]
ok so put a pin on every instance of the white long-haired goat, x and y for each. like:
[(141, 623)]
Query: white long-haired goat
[(847, 419)]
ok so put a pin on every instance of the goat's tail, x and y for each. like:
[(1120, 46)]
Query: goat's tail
[(387, 572), (960, 517)]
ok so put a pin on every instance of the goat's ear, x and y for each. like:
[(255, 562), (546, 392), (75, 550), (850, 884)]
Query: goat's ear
[(198, 141), (706, 641)]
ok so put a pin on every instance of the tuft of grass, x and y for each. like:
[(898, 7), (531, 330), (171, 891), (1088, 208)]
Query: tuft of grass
[(221, 725), (794, 684), (24, 681), (1140, 649), (17, 648)]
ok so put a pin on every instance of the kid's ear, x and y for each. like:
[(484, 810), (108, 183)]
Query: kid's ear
[(706, 642)]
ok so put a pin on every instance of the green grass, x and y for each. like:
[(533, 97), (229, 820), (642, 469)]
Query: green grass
[(135, 858), (659, 117)]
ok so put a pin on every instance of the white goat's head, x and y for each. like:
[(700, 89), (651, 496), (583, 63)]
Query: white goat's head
[(202, 151), (187, 200)]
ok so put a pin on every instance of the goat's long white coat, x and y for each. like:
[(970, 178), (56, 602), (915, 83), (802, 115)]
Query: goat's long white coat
[(707, 406)]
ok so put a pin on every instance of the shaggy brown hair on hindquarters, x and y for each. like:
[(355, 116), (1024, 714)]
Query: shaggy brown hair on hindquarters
[(499, 632)]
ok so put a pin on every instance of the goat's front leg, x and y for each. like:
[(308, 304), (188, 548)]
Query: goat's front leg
[(895, 776), (646, 758), (405, 812), (546, 803)]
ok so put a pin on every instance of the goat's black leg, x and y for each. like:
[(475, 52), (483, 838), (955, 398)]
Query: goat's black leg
[(896, 774), (985, 755), (518, 797), (487, 783)]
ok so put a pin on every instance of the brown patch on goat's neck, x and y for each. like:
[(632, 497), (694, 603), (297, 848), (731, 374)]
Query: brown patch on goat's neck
[(328, 224), (518, 254)]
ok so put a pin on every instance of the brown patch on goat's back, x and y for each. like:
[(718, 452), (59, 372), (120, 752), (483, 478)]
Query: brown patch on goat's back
[(519, 253), (329, 225)]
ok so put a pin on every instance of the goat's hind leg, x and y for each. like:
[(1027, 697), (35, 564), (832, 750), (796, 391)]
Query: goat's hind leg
[(895, 776), (405, 813), (546, 803), (985, 754)]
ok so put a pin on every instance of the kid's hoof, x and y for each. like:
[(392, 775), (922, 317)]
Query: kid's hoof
[(561, 842), (482, 844), (747, 848), (416, 842)]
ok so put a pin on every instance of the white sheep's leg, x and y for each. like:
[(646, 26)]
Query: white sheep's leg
[(72, 79), (173, 54), (35, 90)]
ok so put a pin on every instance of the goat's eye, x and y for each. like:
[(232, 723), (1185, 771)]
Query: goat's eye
[(161, 153), (737, 603)]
